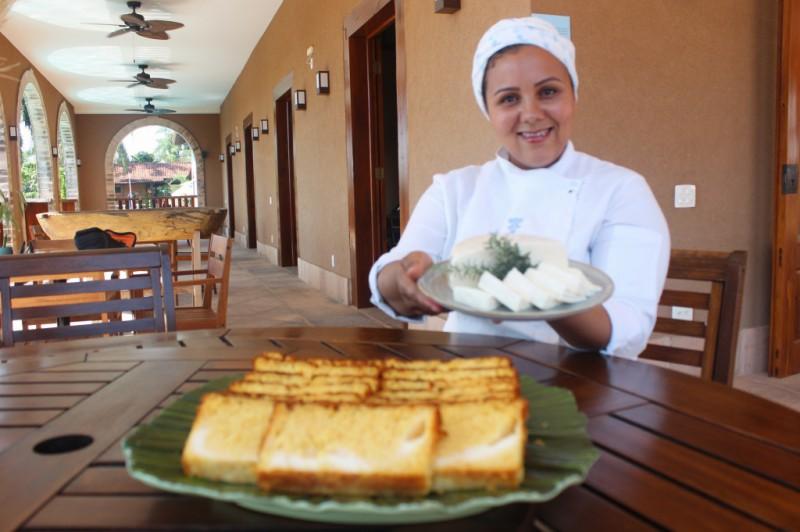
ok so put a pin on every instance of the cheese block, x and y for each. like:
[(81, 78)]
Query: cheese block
[(494, 286), (474, 297), (473, 252), (541, 299)]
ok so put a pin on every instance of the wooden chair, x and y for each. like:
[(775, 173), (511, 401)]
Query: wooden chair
[(216, 275), (46, 245), (86, 293), (722, 304)]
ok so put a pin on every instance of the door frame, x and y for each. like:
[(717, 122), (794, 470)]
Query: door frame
[(229, 181), (285, 191), (250, 181), (784, 350), (367, 19)]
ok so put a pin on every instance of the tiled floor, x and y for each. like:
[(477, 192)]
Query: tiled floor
[(262, 295)]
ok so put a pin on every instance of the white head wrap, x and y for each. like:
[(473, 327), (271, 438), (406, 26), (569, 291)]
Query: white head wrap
[(529, 30)]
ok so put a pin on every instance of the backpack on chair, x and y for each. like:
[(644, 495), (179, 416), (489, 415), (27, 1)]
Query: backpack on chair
[(96, 238)]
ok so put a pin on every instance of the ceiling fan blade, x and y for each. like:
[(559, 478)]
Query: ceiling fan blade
[(119, 32), (134, 110), (161, 36), (132, 85), (163, 81), (157, 86), (163, 111), (120, 80), (157, 26)]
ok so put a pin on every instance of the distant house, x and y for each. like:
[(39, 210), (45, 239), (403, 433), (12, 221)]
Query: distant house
[(143, 178)]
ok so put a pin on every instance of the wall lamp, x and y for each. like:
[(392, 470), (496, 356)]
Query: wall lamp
[(323, 82), (264, 125), (12, 132), (446, 6), (222, 157), (54, 151), (254, 132), (77, 162), (238, 146), (300, 100), (232, 149)]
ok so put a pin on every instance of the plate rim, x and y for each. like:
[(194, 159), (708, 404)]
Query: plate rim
[(561, 311)]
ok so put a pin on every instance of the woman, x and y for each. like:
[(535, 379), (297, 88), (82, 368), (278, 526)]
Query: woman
[(525, 82)]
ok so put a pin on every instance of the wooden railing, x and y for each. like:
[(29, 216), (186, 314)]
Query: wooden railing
[(165, 202)]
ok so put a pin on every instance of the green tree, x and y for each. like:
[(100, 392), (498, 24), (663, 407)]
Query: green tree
[(122, 158), (171, 147), (143, 157), (62, 181), (30, 180)]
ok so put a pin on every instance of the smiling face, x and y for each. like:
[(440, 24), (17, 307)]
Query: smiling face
[(531, 104)]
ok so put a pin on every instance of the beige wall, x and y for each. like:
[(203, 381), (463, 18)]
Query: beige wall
[(682, 92), (94, 132)]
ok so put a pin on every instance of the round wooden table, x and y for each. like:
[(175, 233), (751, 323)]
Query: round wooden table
[(676, 452)]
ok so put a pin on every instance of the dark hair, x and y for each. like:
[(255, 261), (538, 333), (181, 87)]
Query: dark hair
[(490, 63)]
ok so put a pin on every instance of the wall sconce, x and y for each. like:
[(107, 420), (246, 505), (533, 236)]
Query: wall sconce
[(238, 146), (232, 149), (299, 100), (264, 125), (12, 132), (323, 82), (446, 6), (254, 132), (310, 57), (77, 162), (54, 151), (222, 157)]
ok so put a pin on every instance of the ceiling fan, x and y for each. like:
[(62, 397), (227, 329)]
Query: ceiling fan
[(151, 109), (152, 29), (143, 78)]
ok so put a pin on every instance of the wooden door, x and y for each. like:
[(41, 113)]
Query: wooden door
[(231, 212), (286, 207), (785, 313), (250, 184)]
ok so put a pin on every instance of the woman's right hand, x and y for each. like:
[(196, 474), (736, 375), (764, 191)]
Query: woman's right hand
[(397, 283)]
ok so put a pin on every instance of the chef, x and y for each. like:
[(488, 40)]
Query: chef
[(526, 84)]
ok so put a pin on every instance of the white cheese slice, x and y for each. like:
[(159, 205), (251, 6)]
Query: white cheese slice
[(586, 285), (520, 284), (474, 297), (572, 283), (554, 285), (504, 294)]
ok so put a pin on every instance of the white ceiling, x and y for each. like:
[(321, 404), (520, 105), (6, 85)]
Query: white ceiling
[(204, 57)]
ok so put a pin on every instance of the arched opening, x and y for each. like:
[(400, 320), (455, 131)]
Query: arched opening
[(35, 156), (172, 175), (6, 209), (67, 161)]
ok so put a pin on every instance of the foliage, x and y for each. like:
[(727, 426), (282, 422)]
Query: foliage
[(143, 157), (62, 181), (26, 114), (122, 157), (506, 256), (172, 148), (30, 176), (162, 189)]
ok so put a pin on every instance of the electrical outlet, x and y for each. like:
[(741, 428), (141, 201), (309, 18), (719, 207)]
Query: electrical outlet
[(272, 238), (333, 261), (683, 313), (684, 196), (270, 200)]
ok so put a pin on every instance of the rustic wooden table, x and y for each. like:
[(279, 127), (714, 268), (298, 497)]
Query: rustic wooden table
[(676, 452)]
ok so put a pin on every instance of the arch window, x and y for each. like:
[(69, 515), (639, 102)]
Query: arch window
[(36, 166), (67, 160)]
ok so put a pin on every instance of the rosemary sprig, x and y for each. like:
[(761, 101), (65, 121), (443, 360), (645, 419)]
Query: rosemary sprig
[(506, 256)]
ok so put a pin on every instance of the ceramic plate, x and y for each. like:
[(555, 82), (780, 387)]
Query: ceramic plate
[(436, 285), (558, 455)]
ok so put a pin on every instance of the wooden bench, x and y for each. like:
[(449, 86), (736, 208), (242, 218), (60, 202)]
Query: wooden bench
[(92, 289)]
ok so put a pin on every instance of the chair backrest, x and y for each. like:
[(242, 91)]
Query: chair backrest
[(219, 266), (722, 306), (92, 288), (46, 246)]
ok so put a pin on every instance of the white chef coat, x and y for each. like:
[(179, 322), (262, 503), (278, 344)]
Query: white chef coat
[(604, 214)]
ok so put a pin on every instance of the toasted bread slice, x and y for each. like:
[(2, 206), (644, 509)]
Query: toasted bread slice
[(483, 446), (319, 366), (226, 437), (451, 364), (349, 449)]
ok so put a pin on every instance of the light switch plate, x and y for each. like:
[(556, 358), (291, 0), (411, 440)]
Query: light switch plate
[(684, 196), (682, 313)]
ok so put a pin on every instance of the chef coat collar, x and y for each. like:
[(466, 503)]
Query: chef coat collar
[(560, 167)]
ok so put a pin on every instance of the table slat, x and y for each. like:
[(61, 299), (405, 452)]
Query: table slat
[(33, 402), (594, 399), (523, 365), (61, 376), (764, 500), (587, 507), (78, 388), (119, 405), (107, 480), (661, 501), (767, 460), (26, 418)]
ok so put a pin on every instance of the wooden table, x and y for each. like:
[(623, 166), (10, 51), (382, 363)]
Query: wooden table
[(676, 452)]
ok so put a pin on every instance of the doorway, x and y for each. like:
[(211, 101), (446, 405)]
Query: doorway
[(374, 138), (285, 157), (250, 184), (229, 168)]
